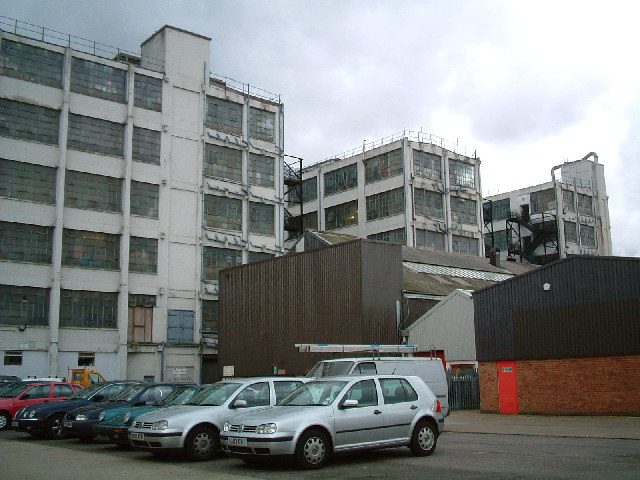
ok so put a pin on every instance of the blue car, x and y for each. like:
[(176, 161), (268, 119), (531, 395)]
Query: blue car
[(46, 419)]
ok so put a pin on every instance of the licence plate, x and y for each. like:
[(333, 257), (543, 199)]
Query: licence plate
[(237, 441), (136, 436), (67, 424)]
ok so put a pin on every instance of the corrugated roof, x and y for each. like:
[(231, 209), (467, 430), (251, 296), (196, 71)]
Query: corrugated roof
[(436, 257), (457, 272)]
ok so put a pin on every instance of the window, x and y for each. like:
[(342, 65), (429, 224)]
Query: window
[(29, 122), (341, 216), (585, 204), (427, 238), (427, 165), (26, 181), (397, 390), (21, 242), (140, 327), (543, 201), (215, 259), (147, 92), (95, 135), (146, 146), (310, 220), (38, 391), (93, 192), (501, 240), (86, 309), (428, 203), (261, 170), (341, 180), (33, 64), (364, 392), (62, 390), (256, 395), (461, 174), (568, 200), (259, 256), (223, 115), (98, 80), (284, 388), (392, 236), (86, 359), (85, 249), (12, 357), (24, 306), (262, 124), (465, 245), (570, 232), (309, 191), (463, 210), (496, 210), (143, 255), (222, 212), (144, 199), (261, 218), (587, 235), (139, 300), (210, 316), (222, 162), (180, 326), (383, 166), (385, 204)]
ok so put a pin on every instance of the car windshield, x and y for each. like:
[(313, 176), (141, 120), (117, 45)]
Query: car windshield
[(15, 391), (216, 394), (179, 396), (314, 394), (330, 369), (84, 392), (128, 393)]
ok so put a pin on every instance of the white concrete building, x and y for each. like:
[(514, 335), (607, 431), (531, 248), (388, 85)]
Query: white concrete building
[(126, 183), (568, 215), (409, 188)]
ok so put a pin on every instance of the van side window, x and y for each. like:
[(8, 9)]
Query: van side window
[(397, 390), (365, 368)]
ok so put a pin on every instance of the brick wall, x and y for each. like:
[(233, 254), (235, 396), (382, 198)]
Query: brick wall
[(574, 386)]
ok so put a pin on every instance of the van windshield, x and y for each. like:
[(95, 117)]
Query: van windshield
[(330, 369)]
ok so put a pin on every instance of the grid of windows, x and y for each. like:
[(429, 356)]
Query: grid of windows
[(585, 204), (146, 146), (261, 218), (144, 199), (310, 220), (309, 191), (501, 240), (262, 124), (392, 236), (462, 174), (427, 165), (86, 309), (215, 259), (428, 203), (222, 212), (29, 122), (385, 204), (261, 170), (22, 242), (24, 305), (568, 200), (85, 249), (26, 181), (95, 135), (570, 232), (383, 166), (92, 192), (341, 179), (223, 115), (259, 256), (222, 162), (143, 255), (465, 245), (98, 80), (33, 64), (210, 316), (340, 216), (147, 92), (496, 210), (463, 210), (427, 238), (543, 201), (587, 235)]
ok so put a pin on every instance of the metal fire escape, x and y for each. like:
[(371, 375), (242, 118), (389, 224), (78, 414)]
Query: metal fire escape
[(293, 224), (541, 230)]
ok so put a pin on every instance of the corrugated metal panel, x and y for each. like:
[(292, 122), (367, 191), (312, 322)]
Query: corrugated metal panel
[(457, 272)]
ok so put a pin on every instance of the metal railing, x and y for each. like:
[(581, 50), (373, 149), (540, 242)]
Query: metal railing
[(464, 390), (244, 88)]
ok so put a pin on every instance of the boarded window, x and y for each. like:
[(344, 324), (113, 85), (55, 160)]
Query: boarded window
[(428, 203), (427, 165), (340, 180), (86, 309), (340, 216), (145, 199), (93, 192), (140, 324), (146, 146), (95, 135), (24, 305), (26, 181), (147, 92), (180, 326), (222, 162), (223, 115), (261, 218), (98, 80), (29, 122), (262, 124), (85, 249), (33, 64), (143, 255), (21, 242)]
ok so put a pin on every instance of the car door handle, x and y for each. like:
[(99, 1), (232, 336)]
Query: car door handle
[(377, 412), (413, 407)]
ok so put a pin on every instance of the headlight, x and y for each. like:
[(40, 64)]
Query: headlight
[(226, 427), (82, 417), (161, 425), (266, 428), (101, 416), (32, 414), (127, 417)]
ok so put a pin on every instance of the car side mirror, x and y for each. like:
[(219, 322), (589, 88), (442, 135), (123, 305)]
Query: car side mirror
[(239, 404), (349, 404)]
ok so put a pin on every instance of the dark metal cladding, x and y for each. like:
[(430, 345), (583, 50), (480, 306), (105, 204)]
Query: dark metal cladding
[(590, 307), (345, 293)]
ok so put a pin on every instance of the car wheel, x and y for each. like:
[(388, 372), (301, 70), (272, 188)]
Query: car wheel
[(54, 429), (423, 439), (201, 444), (5, 420), (313, 450)]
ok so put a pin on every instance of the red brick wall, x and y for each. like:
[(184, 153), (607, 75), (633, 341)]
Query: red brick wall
[(574, 386)]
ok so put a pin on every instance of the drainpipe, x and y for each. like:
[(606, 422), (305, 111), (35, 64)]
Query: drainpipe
[(559, 214)]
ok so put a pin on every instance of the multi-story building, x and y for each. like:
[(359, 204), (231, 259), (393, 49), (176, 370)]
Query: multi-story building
[(126, 183), (528, 225), (409, 188)]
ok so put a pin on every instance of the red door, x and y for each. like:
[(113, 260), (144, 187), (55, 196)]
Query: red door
[(508, 387)]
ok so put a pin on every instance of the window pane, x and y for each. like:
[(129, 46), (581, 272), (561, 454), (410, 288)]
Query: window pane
[(144, 199), (95, 135), (385, 204), (465, 245), (342, 215), (262, 124), (587, 235), (21, 242), (26, 181), (463, 210), (261, 218), (33, 64), (258, 256), (501, 240), (568, 200), (223, 115), (383, 166), (93, 192), (146, 146), (90, 249), (24, 305), (309, 191), (147, 92), (585, 204), (222, 212), (543, 201), (215, 259), (341, 180), (392, 236), (222, 162), (570, 232), (498, 210), (310, 220), (29, 122), (427, 165), (261, 170), (427, 238), (210, 316), (80, 308), (98, 80), (461, 173), (143, 255), (428, 203)]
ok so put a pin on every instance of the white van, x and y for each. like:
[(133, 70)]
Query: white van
[(430, 370)]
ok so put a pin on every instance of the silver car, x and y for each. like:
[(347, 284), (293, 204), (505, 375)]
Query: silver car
[(338, 414), (193, 428)]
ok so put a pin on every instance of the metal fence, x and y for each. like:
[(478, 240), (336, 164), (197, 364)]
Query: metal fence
[(464, 390)]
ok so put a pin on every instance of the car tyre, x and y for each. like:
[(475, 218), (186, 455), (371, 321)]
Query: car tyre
[(54, 429), (313, 450), (423, 439), (5, 420), (202, 443)]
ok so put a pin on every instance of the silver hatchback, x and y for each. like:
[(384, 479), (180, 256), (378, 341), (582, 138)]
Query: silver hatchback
[(339, 414)]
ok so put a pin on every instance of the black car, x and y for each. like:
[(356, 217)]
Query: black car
[(45, 419), (79, 422)]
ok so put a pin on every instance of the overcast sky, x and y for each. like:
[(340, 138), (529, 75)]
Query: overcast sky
[(527, 85)]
